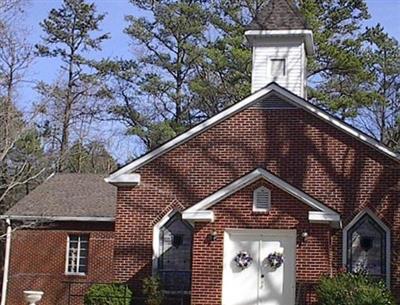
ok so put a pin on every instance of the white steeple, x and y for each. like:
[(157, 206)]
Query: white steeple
[(281, 42)]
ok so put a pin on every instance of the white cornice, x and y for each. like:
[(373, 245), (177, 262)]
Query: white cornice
[(223, 115), (124, 180), (306, 34), (253, 98)]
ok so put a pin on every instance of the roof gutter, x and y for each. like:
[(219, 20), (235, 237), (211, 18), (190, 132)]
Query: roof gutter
[(59, 218), (6, 262)]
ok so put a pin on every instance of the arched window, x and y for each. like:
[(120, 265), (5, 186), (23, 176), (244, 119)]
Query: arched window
[(366, 244), (174, 252)]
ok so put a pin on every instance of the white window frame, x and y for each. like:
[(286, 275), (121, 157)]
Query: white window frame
[(270, 60), (388, 239), (257, 209), (78, 259)]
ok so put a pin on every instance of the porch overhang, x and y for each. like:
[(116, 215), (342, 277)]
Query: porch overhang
[(322, 213)]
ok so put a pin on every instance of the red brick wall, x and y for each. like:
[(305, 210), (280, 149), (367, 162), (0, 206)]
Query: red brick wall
[(38, 262), (326, 163)]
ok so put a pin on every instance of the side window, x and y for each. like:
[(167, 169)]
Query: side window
[(175, 254), (278, 67), (77, 254), (366, 248)]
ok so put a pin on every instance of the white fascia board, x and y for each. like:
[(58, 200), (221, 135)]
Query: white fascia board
[(124, 180), (186, 136), (59, 218), (292, 98), (207, 216), (306, 34), (252, 177), (323, 217), (296, 100)]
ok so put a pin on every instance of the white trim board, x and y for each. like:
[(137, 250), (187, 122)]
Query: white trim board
[(59, 218), (306, 34), (253, 98), (326, 215), (388, 239), (156, 238)]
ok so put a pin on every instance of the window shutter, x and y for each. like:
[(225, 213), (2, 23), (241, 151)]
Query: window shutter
[(262, 199)]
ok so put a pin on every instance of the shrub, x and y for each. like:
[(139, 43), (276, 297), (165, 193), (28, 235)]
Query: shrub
[(108, 294), (152, 290), (353, 289)]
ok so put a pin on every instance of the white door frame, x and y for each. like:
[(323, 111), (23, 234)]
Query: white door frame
[(251, 232)]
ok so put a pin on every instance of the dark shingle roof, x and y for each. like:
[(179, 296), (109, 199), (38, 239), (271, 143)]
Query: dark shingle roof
[(69, 195), (278, 15)]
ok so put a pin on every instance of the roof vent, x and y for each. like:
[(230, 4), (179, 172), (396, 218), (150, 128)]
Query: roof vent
[(261, 199)]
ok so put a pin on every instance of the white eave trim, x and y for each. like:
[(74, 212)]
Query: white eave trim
[(325, 214), (191, 133), (199, 216), (324, 217), (124, 180), (59, 218), (338, 123), (307, 34), (253, 98)]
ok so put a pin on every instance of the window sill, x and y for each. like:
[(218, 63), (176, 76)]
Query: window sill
[(75, 274), (260, 211)]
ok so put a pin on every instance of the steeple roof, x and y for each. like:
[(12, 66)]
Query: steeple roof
[(278, 15)]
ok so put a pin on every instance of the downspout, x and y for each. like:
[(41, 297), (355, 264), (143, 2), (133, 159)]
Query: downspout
[(6, 263)]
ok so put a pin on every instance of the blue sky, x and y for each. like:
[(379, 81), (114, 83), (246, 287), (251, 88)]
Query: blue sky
[(386, 12)]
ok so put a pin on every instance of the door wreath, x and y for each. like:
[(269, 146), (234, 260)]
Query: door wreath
[(243, 260), (275, 260)]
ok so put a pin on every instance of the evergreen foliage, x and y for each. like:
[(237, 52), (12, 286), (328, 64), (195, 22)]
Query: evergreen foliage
[(353, 289), (195, 62), (152, 290), (74, 100), (108, 294)]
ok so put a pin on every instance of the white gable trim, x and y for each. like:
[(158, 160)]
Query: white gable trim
[(307, 34), (273, 87), (124, 180), (191, 133), (338, 123), (382, 225), (202, 206)]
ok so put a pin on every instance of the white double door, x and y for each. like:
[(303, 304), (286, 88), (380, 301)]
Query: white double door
[(259, 284)]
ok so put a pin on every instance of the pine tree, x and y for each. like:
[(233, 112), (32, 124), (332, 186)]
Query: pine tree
[(69, 35), (381, 117), (171, 39)]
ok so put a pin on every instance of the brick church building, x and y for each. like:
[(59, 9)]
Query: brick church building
[(210, 210)]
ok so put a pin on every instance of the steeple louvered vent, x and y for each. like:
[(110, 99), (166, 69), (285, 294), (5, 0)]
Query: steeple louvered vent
[(261, 199)]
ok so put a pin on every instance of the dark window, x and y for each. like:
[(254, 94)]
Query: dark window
[(77, 254), (175, 260), (366, 248)]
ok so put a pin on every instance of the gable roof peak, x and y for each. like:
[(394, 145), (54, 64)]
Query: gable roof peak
[(278, 15)]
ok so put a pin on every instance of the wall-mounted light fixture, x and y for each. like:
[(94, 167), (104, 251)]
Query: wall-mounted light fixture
[(304, 236), (212, 236)]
